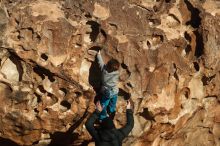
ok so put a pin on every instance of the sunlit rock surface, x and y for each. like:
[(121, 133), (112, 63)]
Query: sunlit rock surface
[(169, 54)]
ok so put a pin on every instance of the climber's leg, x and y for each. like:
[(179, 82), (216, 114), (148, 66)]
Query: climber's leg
[(104, 101), (112, 106)]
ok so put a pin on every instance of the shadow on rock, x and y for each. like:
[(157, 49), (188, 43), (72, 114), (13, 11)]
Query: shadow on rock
[(147, 115), (124, 94), (95, 75), (7, 142), (68, 138)]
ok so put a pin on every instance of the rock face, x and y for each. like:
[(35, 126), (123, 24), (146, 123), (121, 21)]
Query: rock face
[(169, 54)]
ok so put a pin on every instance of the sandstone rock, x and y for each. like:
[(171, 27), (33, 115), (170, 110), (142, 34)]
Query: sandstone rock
[(3, 23), (9, 69), (212, 7), (101, 12), (50, 9), (169, 56), (196, 88), (216, 133)]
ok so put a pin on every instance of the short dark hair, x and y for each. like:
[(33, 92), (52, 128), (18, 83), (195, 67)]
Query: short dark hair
[(113, 65), (107, 123)]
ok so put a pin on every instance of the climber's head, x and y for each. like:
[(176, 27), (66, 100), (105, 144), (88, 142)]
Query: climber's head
[(107, 123), (112, 65)]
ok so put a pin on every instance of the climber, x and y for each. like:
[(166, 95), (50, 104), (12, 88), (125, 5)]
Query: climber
[(109, 90), (107, 134)]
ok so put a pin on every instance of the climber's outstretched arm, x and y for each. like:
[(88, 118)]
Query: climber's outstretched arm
[(90, 125), (130, 121), (91, 120), (100, 60)]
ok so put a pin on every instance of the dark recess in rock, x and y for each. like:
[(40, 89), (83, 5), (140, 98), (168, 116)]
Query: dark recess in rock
[(188, 49), (196, 66), (78, 94), (206, 80), (124, 66), (199, 44), (195, 21), (64, 91), (129, 85), (187, 36), (42, 72), (41, 88), (95, 30), (167, 1), (36, 110), (174, 17), (44, 57), (124, 94), (38, 97), (17, 61), (53, 97), (147, 115), (103, 33), (66, 104), (176, 76)]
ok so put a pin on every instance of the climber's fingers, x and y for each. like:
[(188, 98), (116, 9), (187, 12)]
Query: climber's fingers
[(130, 104), (92, 52), (98, 106)]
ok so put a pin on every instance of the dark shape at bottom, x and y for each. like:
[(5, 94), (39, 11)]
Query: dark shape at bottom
[(7, 142)]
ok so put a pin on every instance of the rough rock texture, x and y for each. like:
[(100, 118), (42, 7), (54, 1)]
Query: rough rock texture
[(169, 54)]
